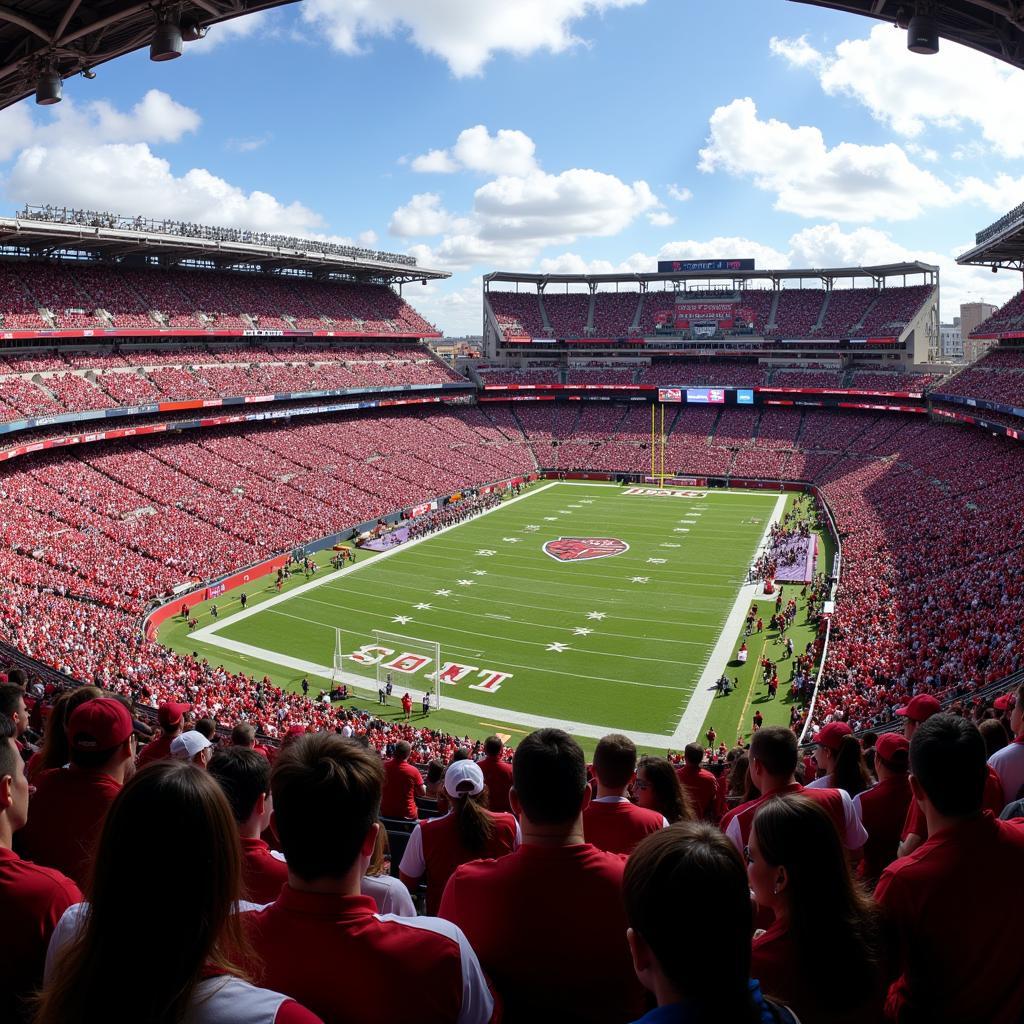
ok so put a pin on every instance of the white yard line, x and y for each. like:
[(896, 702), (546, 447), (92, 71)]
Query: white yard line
[(704, 694)]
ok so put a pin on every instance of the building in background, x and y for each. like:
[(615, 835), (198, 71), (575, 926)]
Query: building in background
[(972, 315), (951, 341)]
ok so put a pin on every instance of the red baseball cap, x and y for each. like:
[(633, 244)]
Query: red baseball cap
[(171, 714), (99, 724), (295, 730), (920, 708), (893, 748), (1004, 703), (832, 735)]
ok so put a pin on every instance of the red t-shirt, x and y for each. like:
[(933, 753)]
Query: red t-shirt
[(617, 826), (401, 784), (66, 814), (423, 962), (155, 750), (263, 874), (549, 927), (702, 787), (992, 800), (498, 776), (953, 911), (441, 851), (883, 809), (32, 900)]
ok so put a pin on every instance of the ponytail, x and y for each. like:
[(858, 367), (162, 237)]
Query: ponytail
[(475, 823)]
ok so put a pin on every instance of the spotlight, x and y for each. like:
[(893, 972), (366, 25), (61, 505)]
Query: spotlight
[(191, 30), (88, 73), (49, 88), (923, 34), (166, 44)]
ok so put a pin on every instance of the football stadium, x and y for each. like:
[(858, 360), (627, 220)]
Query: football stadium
[(685, 595)]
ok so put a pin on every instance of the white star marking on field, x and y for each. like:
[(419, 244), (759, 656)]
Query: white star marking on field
[(551, 519), (511, 540), (465, 583), (421, 607), (657, 561), (557, 648), (401, 619), (595, 615), (640, 579), (582, 631), (442, 593), (479, 572), (486, 552), (532, 526)]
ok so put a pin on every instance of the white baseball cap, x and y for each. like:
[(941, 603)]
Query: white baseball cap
[(188, 744), (463, 777)]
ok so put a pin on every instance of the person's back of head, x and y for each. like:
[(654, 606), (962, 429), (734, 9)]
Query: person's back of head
[(402, 750), (244, 776), (614, 761), (170, 825), (461, 754), (56, 750), (12, 705), (326, 792), (775, 749), (849, 771), (206, 727), (948, 765), (994, 733), (493, 746), (549, 777), (691, 872), (243, 735), (99, 731), (693, 754)]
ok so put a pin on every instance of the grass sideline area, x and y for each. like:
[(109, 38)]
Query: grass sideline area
[(618, 642)]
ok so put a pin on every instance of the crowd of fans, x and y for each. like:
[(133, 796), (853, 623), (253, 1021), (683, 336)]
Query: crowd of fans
[(997, 377)]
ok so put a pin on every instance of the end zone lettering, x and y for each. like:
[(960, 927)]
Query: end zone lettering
[(451, 673), (663, 492)]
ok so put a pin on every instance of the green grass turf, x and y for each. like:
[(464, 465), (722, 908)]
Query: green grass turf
[(636, 670)]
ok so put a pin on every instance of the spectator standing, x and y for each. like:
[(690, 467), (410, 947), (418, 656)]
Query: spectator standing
[(883, 808), (467, 832), (1008, 763), (821, 954), (32, 898), (170, 822), (407, 705), (955, 949), (546, 920), (327, 793), (171, 717), (244, 776), (657, 788), (55, 751), (71, 803), (611, 822), (700, 785), (402, 784), (497, 774), (690, 871), (838, 754)]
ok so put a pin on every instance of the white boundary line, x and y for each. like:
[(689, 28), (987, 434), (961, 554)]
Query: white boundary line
[(691, 720)]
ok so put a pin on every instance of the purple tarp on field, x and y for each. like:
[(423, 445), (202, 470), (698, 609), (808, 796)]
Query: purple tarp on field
[(801, 570)]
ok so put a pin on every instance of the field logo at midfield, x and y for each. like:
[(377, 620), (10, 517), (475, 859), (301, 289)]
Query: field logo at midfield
[(582, 549)]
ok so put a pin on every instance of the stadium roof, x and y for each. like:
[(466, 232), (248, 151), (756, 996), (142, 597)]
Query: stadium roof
[(1001, 244), (995, 27), (82, 34), (878, 273), (42, 238)]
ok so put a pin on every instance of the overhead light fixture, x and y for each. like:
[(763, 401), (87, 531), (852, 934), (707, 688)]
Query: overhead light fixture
[(923, 34), (191, 30), (166, 44), (88, 73), (49, 88)]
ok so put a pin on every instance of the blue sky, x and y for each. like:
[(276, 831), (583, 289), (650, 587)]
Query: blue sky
[(550, 135)]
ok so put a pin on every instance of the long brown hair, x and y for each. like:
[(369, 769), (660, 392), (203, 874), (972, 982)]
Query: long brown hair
[(832, 921), (849, 770), (170, 828), (669, 796), (56, 752), (476, 826)]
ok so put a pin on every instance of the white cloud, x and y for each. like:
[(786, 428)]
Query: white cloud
[(249, 145), (957, 88), (660, 219), (508, 151), (1004, 193), (679, 194), (847, 182), (463, 33), (422, 216), (368, 237), (247, 26)]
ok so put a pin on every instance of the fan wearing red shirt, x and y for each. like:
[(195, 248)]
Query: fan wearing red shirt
[(955, 949), (883, 808), (327, 793), (699, 783), (611, 822), (402, 784), (772, 767), (32, 899), (171, 717), (547, 921), (467, 832), (70, 804), (497, 774), (244, 776)]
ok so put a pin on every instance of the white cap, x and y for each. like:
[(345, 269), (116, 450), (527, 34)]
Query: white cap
[(188, 744), (458, 774)]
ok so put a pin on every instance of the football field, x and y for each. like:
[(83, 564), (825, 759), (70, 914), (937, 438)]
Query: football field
[(590, 606)]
